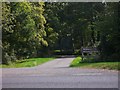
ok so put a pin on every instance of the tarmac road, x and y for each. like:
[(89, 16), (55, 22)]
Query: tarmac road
[(58, 74)]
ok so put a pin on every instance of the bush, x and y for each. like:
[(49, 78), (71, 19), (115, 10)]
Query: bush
[(6, 59), (77, 52), (91, 58)]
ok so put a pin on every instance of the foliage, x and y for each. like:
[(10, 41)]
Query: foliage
[(35, 29), (23, 29), (87, 25), (109, 32)]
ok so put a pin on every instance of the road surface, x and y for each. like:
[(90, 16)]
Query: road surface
[(57, 74)]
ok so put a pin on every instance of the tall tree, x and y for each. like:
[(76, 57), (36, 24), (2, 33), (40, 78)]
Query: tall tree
[(108, 27), (23, 28)]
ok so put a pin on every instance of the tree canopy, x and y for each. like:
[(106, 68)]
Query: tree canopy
[(35, 29)]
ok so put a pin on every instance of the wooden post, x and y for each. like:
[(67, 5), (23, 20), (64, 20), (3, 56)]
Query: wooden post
[(82, 53)]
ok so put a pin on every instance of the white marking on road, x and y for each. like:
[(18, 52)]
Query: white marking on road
[(87, 74)]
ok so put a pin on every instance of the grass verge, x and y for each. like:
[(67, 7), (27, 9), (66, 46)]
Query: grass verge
[(98, 65), (27, 62)]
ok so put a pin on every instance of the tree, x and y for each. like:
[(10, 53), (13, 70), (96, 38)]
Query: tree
[(32, 29), (23, 31), (108, 26)]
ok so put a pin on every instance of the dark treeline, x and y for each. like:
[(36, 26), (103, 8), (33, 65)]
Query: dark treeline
[(41, 29)]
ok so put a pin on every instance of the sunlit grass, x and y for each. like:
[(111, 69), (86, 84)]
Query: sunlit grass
[(27, 62), (98, 65)]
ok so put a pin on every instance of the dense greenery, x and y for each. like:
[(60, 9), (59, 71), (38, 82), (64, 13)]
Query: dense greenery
[(23, 30), (36, 29), (77, 62)]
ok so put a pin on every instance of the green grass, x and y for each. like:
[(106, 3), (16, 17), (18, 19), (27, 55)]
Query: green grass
[(98, 65), (27, 62), (56, 50)]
